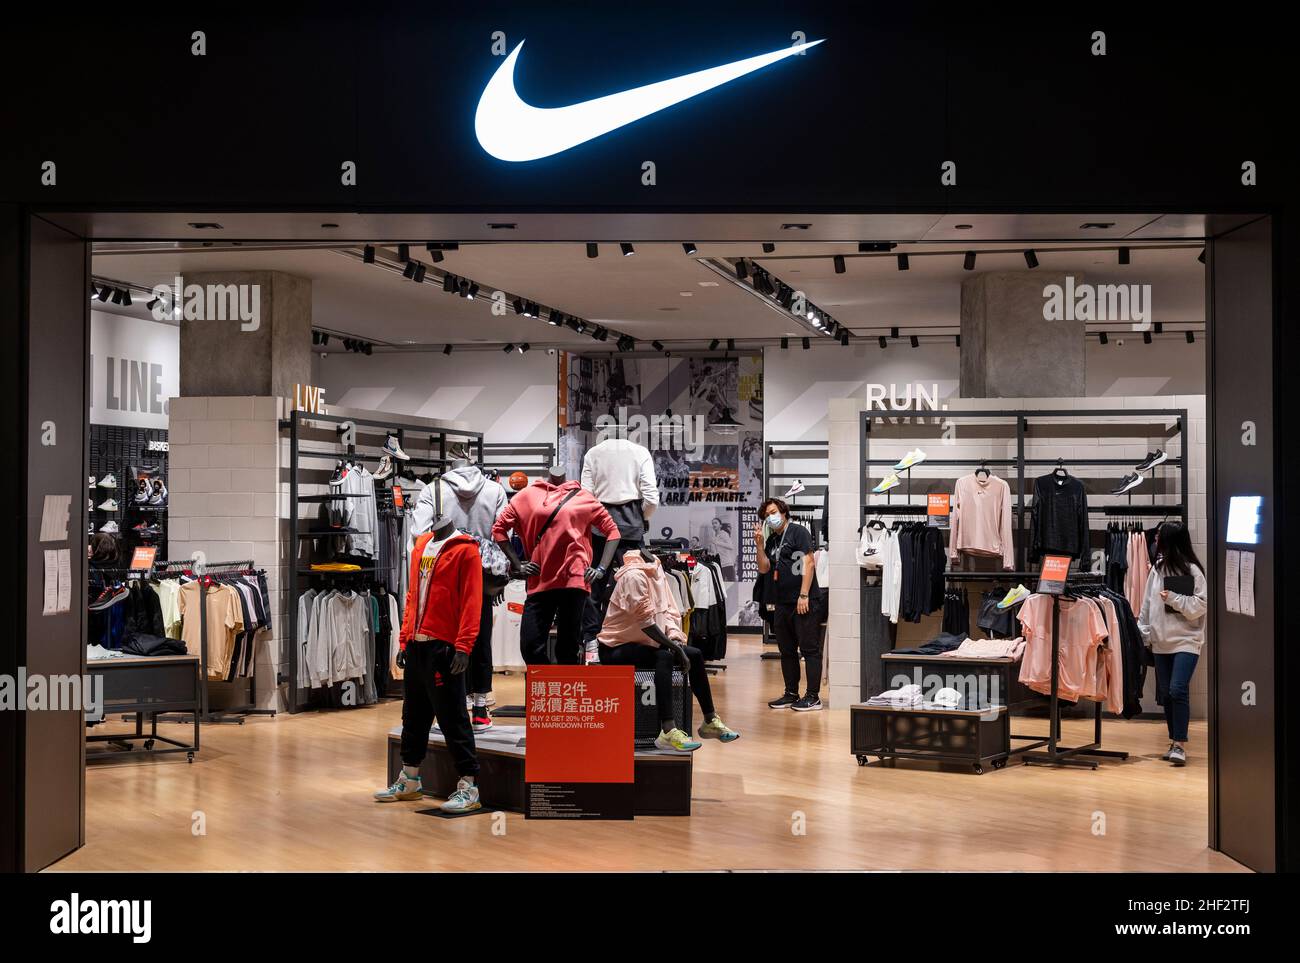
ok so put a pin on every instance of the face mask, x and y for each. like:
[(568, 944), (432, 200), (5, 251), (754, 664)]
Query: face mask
[(773, 521)]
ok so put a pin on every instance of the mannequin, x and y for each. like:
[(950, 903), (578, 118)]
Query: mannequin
[(474, 502), (621, 474), (554, 518), (439, 629), (643, 628)]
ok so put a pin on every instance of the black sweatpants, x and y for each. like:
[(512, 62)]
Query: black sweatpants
[(562, 608), (800, 635), (480, 659), (430, 691), (662, 662)]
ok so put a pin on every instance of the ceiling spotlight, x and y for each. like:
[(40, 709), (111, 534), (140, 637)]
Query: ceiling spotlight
[(844, 338), (876, 247), (807, 343), (689, 248), (435, 256), (368, 254), (420, 271), (126, 298), (153, 301), (462, 286), (658, 345), (507, 349), (731, 344), (408, 272), (449, 283), (838, 261), (530, 309), (315, 337), (1103, 339), (117, 295), (768, 247), (1201, 257), (554, 318), (916, 342), (786, 297), (1146, 337), (893, 332), (742, 271), (713, 345), (579, 325), (627, 249), (1031, 259), (883, 342), (103, 293), (472, 292), (403, 252), (446, 349), (324, 339), (785, 344), (902, 262), (1191, 338), (602, 334), (366, 348), (957, 340), (969, 262), (593, 250), (1123, 255), (524, 347), (518, 305), (1160, 327)]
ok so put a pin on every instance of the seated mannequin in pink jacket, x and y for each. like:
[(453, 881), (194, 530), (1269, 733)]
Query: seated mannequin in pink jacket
[(643, 628)]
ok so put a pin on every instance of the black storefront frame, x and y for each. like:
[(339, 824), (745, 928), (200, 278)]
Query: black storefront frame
[(14, 807)]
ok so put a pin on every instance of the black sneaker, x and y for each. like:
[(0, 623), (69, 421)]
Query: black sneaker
[(109, 597), (809, 703), (1153, 458), (1127, 483), (785, 702)]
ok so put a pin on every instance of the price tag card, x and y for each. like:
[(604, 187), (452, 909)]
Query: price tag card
[(398, 499), (142, 558), (1051, 579)]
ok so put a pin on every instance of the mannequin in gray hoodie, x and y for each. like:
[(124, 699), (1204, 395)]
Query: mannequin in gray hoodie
[(473, 502)]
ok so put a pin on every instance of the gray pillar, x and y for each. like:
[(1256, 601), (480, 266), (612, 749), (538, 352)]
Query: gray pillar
[(263, 357), (1008, 350)]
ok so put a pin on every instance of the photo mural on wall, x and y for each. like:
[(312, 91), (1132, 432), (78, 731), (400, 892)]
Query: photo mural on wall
[(702, 420)]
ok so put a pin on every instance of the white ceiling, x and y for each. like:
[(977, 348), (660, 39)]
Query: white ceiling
[(660, 292)]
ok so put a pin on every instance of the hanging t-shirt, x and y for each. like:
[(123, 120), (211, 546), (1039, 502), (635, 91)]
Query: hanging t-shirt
[(1080, 630), (225, 620), (506, 619)]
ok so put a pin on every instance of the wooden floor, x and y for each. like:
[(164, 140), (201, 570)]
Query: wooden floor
[(293, 793)]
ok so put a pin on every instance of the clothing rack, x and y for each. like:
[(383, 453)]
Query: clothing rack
[(431, 444), (1054, 754)]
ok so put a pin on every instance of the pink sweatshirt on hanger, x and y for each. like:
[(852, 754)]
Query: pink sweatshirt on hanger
[(981, 523), (641, 597)]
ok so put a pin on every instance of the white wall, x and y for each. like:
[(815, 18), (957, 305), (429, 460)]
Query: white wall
[(798, 384), (135, 369), (510, 398)]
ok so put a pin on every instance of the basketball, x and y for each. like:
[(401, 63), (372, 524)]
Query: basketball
[(518, 480)]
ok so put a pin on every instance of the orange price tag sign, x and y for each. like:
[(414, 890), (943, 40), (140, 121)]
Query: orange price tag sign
[(398, 499), (938, 504), (1051, 579), (142, 558)]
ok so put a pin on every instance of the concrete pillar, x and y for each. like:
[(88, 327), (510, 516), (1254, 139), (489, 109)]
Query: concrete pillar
[(262, 350), (1008, 350)]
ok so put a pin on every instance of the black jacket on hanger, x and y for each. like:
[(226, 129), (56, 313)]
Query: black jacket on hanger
[(1060, 517)]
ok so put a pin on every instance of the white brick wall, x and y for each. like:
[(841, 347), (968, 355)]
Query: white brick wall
[(224, 461), (847, 479)]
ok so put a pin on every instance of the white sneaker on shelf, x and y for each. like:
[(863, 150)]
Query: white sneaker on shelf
[(108, 506), (391, 447), (886, 483), (109, 528), (913, 457), (108, 481)]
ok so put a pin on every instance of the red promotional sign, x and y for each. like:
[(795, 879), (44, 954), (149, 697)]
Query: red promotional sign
[(938, 504), (579, 761), (1051, 580), (398, 499), (142, 558)]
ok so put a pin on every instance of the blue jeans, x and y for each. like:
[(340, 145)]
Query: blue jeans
[(1173, 679)]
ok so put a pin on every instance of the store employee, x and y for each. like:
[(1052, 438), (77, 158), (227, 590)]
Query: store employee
[(795, 600)]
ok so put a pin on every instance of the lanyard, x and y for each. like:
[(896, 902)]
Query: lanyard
[(774, 559)]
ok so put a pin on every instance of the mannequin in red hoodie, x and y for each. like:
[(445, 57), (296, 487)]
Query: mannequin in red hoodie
[(439, 627), (554, 518)]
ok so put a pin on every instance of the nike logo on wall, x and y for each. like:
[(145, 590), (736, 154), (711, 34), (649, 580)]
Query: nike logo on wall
[(512, 130)]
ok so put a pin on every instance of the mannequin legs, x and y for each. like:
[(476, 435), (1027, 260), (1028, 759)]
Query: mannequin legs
[(562, 608)]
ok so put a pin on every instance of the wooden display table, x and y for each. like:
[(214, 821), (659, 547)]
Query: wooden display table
[(148, 686), (974, 737), (663, 779)]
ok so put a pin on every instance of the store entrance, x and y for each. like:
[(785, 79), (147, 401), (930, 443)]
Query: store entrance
[(854, 381)]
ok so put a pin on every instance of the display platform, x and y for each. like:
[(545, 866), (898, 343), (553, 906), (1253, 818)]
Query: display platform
[(663, 779), (975, 737)]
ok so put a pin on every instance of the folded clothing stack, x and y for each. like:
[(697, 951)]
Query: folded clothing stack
[(907, 697), (989, 649)]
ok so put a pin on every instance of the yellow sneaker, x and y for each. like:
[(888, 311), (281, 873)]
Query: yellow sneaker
[(675, 740), (715, 728)]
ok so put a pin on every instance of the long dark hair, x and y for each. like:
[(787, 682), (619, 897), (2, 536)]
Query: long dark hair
[(1174, 550)]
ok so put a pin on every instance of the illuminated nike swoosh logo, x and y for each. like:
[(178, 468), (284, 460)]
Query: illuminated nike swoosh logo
[(512, 130)]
